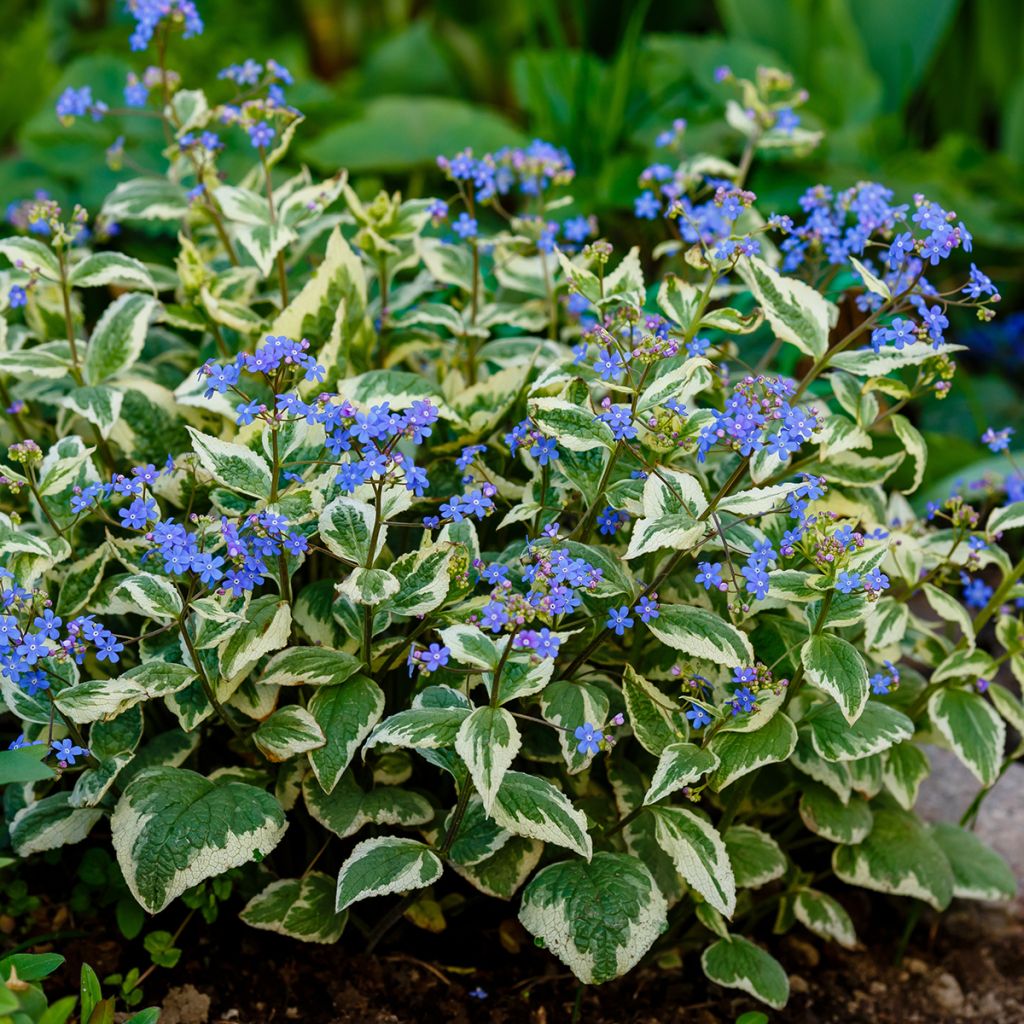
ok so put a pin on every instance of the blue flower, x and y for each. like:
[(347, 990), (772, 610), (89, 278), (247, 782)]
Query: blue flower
[(743, 700), (619, 620), (698, 717), (261, 134), (646, 205), (544, 450), (494, 616), (875, 581), (433, 658), (710, 575), (17, 296), (589, 737), (647, 608), (997, 440), (847, 582), (67, 751), (465, 226), (609, 365)]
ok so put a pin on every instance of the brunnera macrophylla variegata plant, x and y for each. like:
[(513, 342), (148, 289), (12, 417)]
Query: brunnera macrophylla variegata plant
[(433, 536)]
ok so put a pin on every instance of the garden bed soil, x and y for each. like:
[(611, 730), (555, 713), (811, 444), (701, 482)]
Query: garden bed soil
[(965, 966)]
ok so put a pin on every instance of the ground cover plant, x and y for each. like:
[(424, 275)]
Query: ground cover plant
[(438, 540)]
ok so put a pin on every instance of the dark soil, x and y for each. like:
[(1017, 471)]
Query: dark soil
[(966, 966)]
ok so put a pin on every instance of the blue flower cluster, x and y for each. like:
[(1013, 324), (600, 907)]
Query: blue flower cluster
[(149, 14), (758, 415)]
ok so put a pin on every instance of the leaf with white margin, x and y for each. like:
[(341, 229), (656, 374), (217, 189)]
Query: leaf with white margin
[(878, 728), (572, 426), (821, 914), (651, 716), (698, 853), (347, 808), (672, 501), (834, 665), (103, 699), (346, 526), (798, 313), (972, 728), (309, 666), (899, 857), (886, 624), (301, 908), (172, 829), (97, 404), (104, 268), (906, 767), (916, 447), (679, 765), (117, 340), (268, 624), (872, 282), (1009, 517), (834, 819), (50, 823), (740, 753), (504, 871), (31, 255), (233, 465), (758, 500), (149, 595), (532, 807), (368, 586), (599, 918), (288, 731), (1008, 705), (346, 712), (701, 634), (387, 864), (488, 742), (479, 836), (146, 198), (567, 705), (866, 363), (472, 646), (755, 856), (426, 728), (423, 580), (735, 962), (950, 609), (831, 774), (979, 873)]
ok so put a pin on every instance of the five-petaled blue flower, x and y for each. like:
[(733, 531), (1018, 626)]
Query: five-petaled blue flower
[(589, 737), (619, 620)]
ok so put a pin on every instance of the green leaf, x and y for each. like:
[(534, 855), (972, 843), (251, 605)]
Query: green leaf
[(301, 908), (478, 837), (104, 699), (878, 728), (288, 731), (679, 765), (906, 767), (532, 807), (678, 300), (173, 828), (979, 873), (232, 465), (701, 634), (99, 269), (309, 666), (797, 313), (916, 447), (836, 820), (346, 713), (152, 596), (972, 728), (886, 624), (740, 753), (736, 962), (421, 728), (599, 918), (50, 823), (488, 742), (874, 284), (471, 646), (651, 714), (698, 853), (268, 623), (116, 343), (898, 857), (949, 608), (834, 665), (755, 857), (572, 426), (395, 133), (388, 864), (757, 500), (24, 764), (824, 916)]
